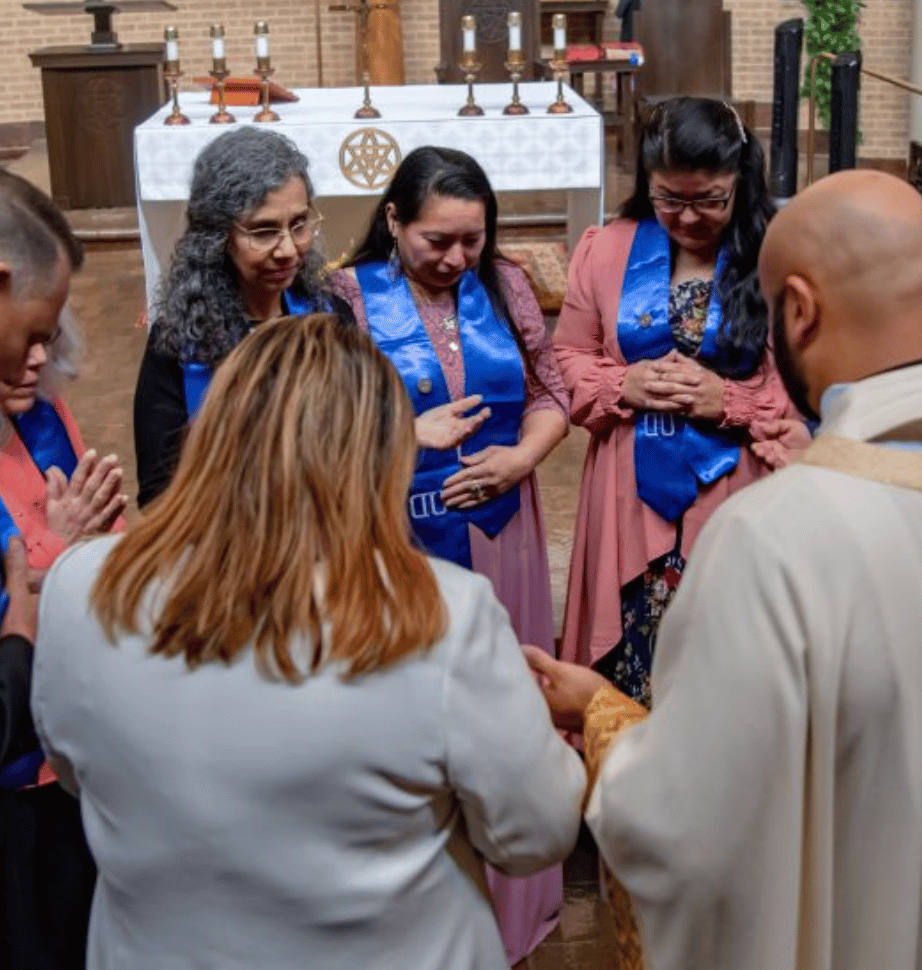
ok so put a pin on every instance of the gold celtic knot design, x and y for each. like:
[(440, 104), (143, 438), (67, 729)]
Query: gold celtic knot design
[(369, 157)]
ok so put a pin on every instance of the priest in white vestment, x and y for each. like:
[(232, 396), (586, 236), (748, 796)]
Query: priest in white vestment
[(767, 814)]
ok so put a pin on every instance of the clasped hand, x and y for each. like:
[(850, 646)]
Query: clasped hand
[(90, 502), (677, 384), (486, 474)]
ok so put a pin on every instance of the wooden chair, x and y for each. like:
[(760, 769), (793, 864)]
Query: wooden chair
[(688, 50)]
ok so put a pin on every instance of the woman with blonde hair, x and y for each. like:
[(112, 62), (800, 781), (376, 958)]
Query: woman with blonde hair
[(310, 734)]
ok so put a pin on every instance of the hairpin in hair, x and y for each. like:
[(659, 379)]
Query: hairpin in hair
[(737, 119)]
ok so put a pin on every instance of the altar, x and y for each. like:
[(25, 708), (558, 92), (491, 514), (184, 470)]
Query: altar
[(351, 157)]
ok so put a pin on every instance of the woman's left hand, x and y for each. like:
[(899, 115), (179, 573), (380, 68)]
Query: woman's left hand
[(700, 391), (486, 475)]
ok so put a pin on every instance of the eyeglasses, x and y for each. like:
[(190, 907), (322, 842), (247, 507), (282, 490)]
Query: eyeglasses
[(713, 206), (266, 238)]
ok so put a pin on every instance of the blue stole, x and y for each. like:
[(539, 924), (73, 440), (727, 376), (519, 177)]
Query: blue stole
[(672, 454), (492, 367), (196, 377), (46, 440)]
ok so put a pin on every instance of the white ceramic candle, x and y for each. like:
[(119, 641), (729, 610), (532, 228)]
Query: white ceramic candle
[(559, 23), (171, 36), (262, 39), (515, 31), (469, 28), (217, 42)]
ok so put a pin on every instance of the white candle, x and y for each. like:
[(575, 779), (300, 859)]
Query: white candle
[(559, 22), (262, 38), (515, 31), (217, 42), (171, 36), (469, 28)]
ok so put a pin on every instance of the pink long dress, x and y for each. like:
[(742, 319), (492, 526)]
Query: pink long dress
[(616, 534), (516, 562)]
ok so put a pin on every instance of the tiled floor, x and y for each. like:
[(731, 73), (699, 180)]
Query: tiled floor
[(107, 296)]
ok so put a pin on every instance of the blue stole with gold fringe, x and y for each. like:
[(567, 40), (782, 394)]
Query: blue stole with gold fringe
[(673, 455), (492, 367)]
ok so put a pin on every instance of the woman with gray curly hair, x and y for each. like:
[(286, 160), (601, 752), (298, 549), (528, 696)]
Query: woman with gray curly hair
[(246, 256)]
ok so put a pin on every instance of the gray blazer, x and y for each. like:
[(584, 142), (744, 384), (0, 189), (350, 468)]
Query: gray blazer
[(245, 824)]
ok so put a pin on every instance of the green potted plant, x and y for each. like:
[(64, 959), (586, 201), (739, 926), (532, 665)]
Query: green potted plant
[(831, 27)]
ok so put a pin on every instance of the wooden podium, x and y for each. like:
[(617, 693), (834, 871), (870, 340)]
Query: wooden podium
[(94, 96), (492, 37), (93, 100)]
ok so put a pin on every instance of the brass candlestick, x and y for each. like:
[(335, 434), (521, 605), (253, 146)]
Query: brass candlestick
[(470, 68), (222, 116), (559, 67), (263, 71), (516, 67), (172, 73), (368, 110)]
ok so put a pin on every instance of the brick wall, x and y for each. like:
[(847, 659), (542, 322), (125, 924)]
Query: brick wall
[(885, 28)]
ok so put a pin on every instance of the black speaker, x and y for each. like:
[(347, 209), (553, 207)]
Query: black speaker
[(789, 38), (843, 111)]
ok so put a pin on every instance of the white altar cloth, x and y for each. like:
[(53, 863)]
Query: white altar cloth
[(532, 152)]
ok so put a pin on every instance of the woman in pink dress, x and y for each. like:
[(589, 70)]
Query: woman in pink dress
[(458, 320), (662, 346)]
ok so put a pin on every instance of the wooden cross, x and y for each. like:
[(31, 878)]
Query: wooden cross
[(362, 9)]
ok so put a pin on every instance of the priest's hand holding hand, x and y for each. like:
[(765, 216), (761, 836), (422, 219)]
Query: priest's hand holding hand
[(568, 688), (779, 442), (447, 425)]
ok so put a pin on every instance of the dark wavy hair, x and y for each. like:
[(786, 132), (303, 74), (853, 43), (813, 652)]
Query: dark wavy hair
[(199, 313), (429, 171), (688, 134)]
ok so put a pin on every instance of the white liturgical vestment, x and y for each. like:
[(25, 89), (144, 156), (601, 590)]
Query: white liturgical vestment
[(767, 815)]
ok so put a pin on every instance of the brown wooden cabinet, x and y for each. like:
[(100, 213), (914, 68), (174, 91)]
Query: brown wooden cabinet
[(492, 37), (93, 100)]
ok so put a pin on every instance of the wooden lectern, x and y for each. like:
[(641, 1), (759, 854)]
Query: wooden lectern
[(492, 37), (94, 97)]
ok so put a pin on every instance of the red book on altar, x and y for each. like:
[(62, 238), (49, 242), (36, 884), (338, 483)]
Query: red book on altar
[(629, 52), (245, 91)]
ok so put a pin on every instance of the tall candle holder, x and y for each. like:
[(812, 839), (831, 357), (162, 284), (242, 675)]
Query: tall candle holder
[(263, 71), (515, 67), (219, 72), (559, 63), (515, 63), (470, 66), (172, 73)]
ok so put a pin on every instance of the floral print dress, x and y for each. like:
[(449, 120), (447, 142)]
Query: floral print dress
[(644, 599)]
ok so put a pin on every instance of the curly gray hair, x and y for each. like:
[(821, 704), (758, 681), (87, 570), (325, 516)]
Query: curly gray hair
[(199, 313)]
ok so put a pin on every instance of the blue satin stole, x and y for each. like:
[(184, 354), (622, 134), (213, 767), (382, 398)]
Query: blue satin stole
[(492, 367), (672, 455), (196, 377), (46, 440)]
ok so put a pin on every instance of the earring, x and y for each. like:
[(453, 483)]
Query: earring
[(393, 264)]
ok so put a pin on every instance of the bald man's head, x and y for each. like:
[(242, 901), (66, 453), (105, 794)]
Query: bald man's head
[(841, 271)]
